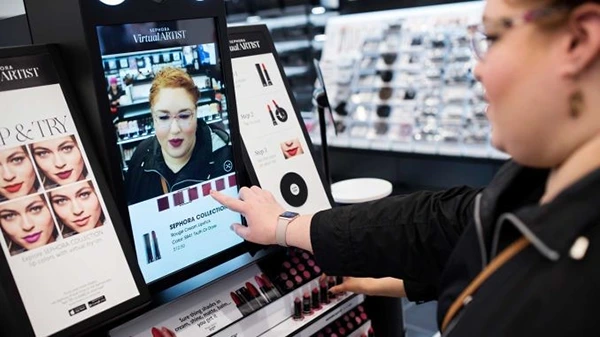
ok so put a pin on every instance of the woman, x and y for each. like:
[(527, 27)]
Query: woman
[(60, 161), (77, 208), (114, 94), (18, 175), (538, 220), (27, 223), (185, 150)]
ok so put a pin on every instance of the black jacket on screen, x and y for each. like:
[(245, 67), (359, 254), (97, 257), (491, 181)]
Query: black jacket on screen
[(147, 166), (444, 239)]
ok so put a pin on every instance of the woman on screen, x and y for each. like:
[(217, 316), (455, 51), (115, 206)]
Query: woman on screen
[(77, 208), (60, 161), (27, 223), (17, 174), (185, 150)]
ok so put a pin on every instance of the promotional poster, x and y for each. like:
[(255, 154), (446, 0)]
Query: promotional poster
[(57, 236), (165, 88), (271, 129)]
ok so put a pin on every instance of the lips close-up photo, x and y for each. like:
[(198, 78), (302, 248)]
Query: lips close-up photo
[(291, 148)]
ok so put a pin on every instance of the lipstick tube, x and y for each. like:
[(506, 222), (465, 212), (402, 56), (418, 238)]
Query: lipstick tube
[(371, 333), (316, 303), (331, 284), (306, 275), (149, 256), (155, 245), (269, 82), (297, 310), (306, 307), (272, 115), (263, 289), (271, 289), (324, 292), (240, 304), (245, 295), (255, 294), (260, 74)]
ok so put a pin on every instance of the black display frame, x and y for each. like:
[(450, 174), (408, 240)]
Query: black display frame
[(95, 14), (14, 305), (263, 31)]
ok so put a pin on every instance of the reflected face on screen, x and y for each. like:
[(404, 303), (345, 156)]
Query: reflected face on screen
[(17, 173), (27, 221), (77, 206), (174, 113), (59, 160)]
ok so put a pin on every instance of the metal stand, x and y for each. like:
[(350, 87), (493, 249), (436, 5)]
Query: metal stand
[(321, 102)]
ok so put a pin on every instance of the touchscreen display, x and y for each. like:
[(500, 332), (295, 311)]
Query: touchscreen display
[(165, 88)]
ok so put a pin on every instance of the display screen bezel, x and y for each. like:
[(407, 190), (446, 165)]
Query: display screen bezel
[(96, 15)]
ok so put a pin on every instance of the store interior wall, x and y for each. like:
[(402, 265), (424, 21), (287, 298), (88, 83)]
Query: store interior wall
[(13, 24)]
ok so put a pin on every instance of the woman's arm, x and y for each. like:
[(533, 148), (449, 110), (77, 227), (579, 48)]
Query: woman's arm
[(406, 237)]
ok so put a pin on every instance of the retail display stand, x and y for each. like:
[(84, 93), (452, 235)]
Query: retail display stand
[(66, 265), (119, 49), (278, 151)]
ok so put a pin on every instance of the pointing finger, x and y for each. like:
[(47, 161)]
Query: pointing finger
[(233, 204)]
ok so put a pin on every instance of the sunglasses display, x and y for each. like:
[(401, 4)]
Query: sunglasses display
[(411, 86)]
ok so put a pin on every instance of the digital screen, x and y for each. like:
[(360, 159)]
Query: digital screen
[(169, 110)]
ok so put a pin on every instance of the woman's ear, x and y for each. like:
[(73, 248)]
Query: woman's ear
[(582, 46)]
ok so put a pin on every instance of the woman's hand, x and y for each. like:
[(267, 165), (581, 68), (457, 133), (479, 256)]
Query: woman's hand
[(260, 210), (388, 286)]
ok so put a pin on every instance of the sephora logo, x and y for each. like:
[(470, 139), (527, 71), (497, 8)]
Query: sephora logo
[(8, 73)]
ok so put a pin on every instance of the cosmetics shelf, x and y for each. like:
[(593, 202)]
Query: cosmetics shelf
[(402, 81), (310, 325)]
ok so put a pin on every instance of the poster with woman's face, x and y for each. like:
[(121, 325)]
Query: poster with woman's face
[(18, 176), (77, 208), (59, 161), (27, 223), (54, 224)]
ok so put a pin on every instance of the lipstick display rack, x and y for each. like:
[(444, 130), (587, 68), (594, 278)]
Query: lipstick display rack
[(403, 81), (282, 294)]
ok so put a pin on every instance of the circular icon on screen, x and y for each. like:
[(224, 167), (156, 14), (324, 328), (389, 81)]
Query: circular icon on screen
[(228, 166), (293, 189), (281, 115)]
